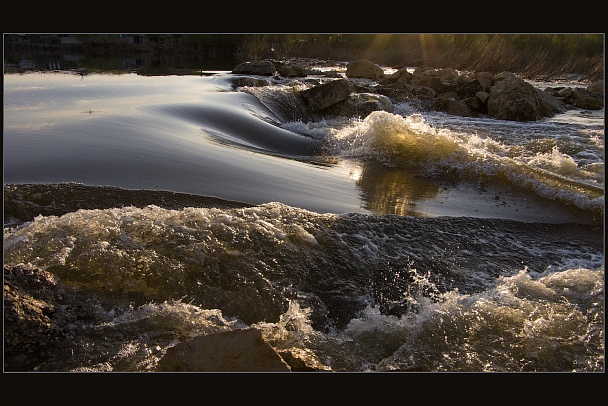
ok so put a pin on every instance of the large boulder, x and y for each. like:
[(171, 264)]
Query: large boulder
[(264, 68), (327, 94), (363, 68), (241, 350), (514, 99)]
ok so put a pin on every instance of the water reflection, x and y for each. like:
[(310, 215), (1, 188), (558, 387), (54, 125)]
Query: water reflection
[(392, 190)]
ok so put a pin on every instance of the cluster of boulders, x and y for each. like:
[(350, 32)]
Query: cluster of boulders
[(501, 96)]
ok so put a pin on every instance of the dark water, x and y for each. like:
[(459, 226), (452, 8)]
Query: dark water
[(379, 243)]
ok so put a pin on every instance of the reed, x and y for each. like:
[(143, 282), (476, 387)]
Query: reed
[(529, 55)]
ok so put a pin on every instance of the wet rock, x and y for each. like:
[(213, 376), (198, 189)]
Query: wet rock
[(26, 201), (483, 97), (327, 94), (249, 82), (289, 70), (440, 80), (264, 68), (485, 79), (514, 99), (469, 88), (233, 351), (550, 105), (399, 78), (597, 87), (584, 99), (36, 317), (302, 360), (363, 68), (579, 97), (458, 108), (360, 105)]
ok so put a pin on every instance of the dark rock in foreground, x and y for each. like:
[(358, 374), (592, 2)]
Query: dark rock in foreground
[(45, 319), (232, 351)]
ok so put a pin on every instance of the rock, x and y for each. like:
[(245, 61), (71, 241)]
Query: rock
[(360, 105), (427, 80), (486, 79), (327, 94), (249, 82), (422, 91), (474, 103), (514, 99), (578, 97), (469, 88), (449, 95), (584, 99), (596, 87), (332, 74), (458, 108), (444, 74), (483, 96), (565, 92), (264, 68), (289, 71), (399, 78), (550, 105), (442, 80), (363, 68), (502, 76), (241, 350), (38, 313), (303, 360)]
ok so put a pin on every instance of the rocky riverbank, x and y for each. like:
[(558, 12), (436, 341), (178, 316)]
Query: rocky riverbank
[(501, 96)]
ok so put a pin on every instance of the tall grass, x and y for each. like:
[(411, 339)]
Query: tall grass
[(529, 55)]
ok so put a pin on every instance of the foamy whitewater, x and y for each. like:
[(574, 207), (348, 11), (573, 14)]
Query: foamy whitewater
[(344, 247)]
